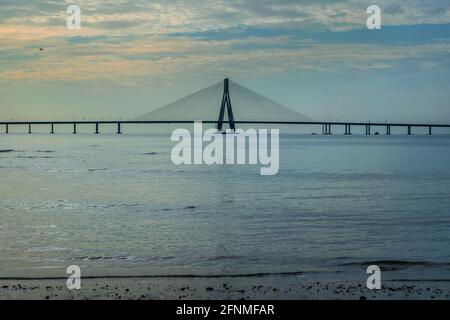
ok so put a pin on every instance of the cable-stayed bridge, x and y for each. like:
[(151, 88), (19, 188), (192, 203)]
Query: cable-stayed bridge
[(226, 103)]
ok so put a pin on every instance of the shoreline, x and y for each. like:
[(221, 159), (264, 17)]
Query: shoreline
[(247, 288)]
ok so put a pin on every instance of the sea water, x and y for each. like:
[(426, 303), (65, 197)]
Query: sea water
[(117, 205)]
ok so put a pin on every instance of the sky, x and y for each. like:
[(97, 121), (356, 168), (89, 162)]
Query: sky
[(314, 56)]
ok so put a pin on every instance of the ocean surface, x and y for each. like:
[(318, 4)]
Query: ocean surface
[(116, 205)]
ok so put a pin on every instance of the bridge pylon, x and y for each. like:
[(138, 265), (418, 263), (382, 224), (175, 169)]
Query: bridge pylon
[(226, 102)]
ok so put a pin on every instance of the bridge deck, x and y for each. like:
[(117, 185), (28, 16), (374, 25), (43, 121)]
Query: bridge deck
[(326, 125), (339, 123)]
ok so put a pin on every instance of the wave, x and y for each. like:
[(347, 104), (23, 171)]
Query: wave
[(125, 257), (419, 280), (34, 157), (211, 276), (397, 263), (218, 258)]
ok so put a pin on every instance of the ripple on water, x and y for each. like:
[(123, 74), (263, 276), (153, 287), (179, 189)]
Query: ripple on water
[(45, 249)]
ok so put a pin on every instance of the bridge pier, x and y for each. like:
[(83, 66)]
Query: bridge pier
[(429, 130), (388, 130), (348, 129), (409, 130), (74, 128), (29, 128), (119, 131), (96, 128), (367, 129), (7, 129), (326, 128), (52, 130)]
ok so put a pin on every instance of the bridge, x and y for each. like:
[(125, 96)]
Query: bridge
[(202, 101), (326, 125)]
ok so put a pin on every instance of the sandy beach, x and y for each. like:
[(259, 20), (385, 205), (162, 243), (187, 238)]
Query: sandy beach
[(257, 288)]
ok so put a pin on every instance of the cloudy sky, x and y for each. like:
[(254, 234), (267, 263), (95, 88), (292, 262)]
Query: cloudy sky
[(315, 56)]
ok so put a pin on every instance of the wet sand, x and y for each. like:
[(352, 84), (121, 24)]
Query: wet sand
[(287, 288)]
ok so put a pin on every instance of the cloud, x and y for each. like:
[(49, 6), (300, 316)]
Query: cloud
[(141, 60), (123, 40), (164, 17)]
